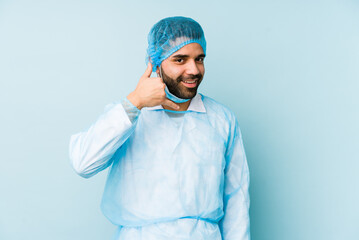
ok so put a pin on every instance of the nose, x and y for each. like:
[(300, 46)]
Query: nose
[(192, 68)]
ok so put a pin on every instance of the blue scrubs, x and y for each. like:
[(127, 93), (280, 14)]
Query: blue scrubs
[(173, 175)]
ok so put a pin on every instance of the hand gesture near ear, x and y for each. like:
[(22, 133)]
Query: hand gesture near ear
[(150, 91)]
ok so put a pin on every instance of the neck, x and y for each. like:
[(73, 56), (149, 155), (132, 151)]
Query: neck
[(183, 106)]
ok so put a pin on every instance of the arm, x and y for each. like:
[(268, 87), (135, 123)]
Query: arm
[(235, 223), (91, 151)]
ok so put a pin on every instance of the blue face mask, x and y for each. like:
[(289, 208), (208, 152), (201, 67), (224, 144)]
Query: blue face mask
[(172, 97)]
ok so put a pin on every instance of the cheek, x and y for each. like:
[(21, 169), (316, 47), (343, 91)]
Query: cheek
[(201, 69), (172, 70), (176, 72)]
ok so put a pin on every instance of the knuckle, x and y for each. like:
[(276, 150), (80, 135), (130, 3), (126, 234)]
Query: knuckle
[(163, 95)]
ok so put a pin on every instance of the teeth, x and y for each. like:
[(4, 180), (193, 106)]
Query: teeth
[(190, 81)]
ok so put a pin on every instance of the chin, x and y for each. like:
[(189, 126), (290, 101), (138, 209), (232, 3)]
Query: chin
[(189, 95)]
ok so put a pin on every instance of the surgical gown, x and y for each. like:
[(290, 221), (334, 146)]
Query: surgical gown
[(173, 175)]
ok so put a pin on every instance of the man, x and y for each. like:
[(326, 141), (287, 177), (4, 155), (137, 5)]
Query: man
[(178, 166)]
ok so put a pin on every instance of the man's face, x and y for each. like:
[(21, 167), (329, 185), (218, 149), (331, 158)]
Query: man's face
[(183, 71)]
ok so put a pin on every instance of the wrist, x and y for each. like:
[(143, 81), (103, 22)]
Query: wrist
[(135, 100)]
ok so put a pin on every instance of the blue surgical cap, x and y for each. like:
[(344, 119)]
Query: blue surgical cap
[(169, 35)]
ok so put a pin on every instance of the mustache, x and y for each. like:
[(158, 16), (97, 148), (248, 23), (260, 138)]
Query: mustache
[(190, 77)]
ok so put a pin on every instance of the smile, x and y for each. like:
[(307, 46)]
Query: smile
[(190, 81)]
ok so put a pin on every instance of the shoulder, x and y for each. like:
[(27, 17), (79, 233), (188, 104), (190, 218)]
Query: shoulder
[(217, 109), (222, 118)]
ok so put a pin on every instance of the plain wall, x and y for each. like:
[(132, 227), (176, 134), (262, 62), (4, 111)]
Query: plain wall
[(288, 69)]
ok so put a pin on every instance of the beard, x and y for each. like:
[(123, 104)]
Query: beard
[(176, 88)]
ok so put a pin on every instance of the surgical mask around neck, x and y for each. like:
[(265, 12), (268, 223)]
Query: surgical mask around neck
[(171, 96)]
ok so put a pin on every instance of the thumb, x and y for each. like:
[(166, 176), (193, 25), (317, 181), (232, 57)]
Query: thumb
[(170, 104), (148, 71)]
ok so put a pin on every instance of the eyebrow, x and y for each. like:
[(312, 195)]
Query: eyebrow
[(187, 56)]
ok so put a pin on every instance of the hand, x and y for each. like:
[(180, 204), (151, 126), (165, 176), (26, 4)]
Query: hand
[(150, 92)]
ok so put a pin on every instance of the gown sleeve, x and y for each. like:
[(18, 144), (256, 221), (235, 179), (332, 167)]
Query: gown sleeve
[(91, 151), (235, 224)]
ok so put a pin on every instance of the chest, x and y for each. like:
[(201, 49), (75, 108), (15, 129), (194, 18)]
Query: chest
[(190, 140)]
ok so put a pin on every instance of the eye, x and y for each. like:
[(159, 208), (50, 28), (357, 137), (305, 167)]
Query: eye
[(200, 59), (179, 60)]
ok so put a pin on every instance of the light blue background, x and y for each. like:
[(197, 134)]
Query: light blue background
[(288, 69)]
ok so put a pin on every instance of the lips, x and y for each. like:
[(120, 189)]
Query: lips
[(189, 83)]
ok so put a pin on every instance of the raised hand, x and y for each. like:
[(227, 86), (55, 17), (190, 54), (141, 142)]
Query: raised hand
[(150, 91)]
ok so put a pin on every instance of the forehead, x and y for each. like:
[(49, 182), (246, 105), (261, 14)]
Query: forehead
[(191, 49)]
